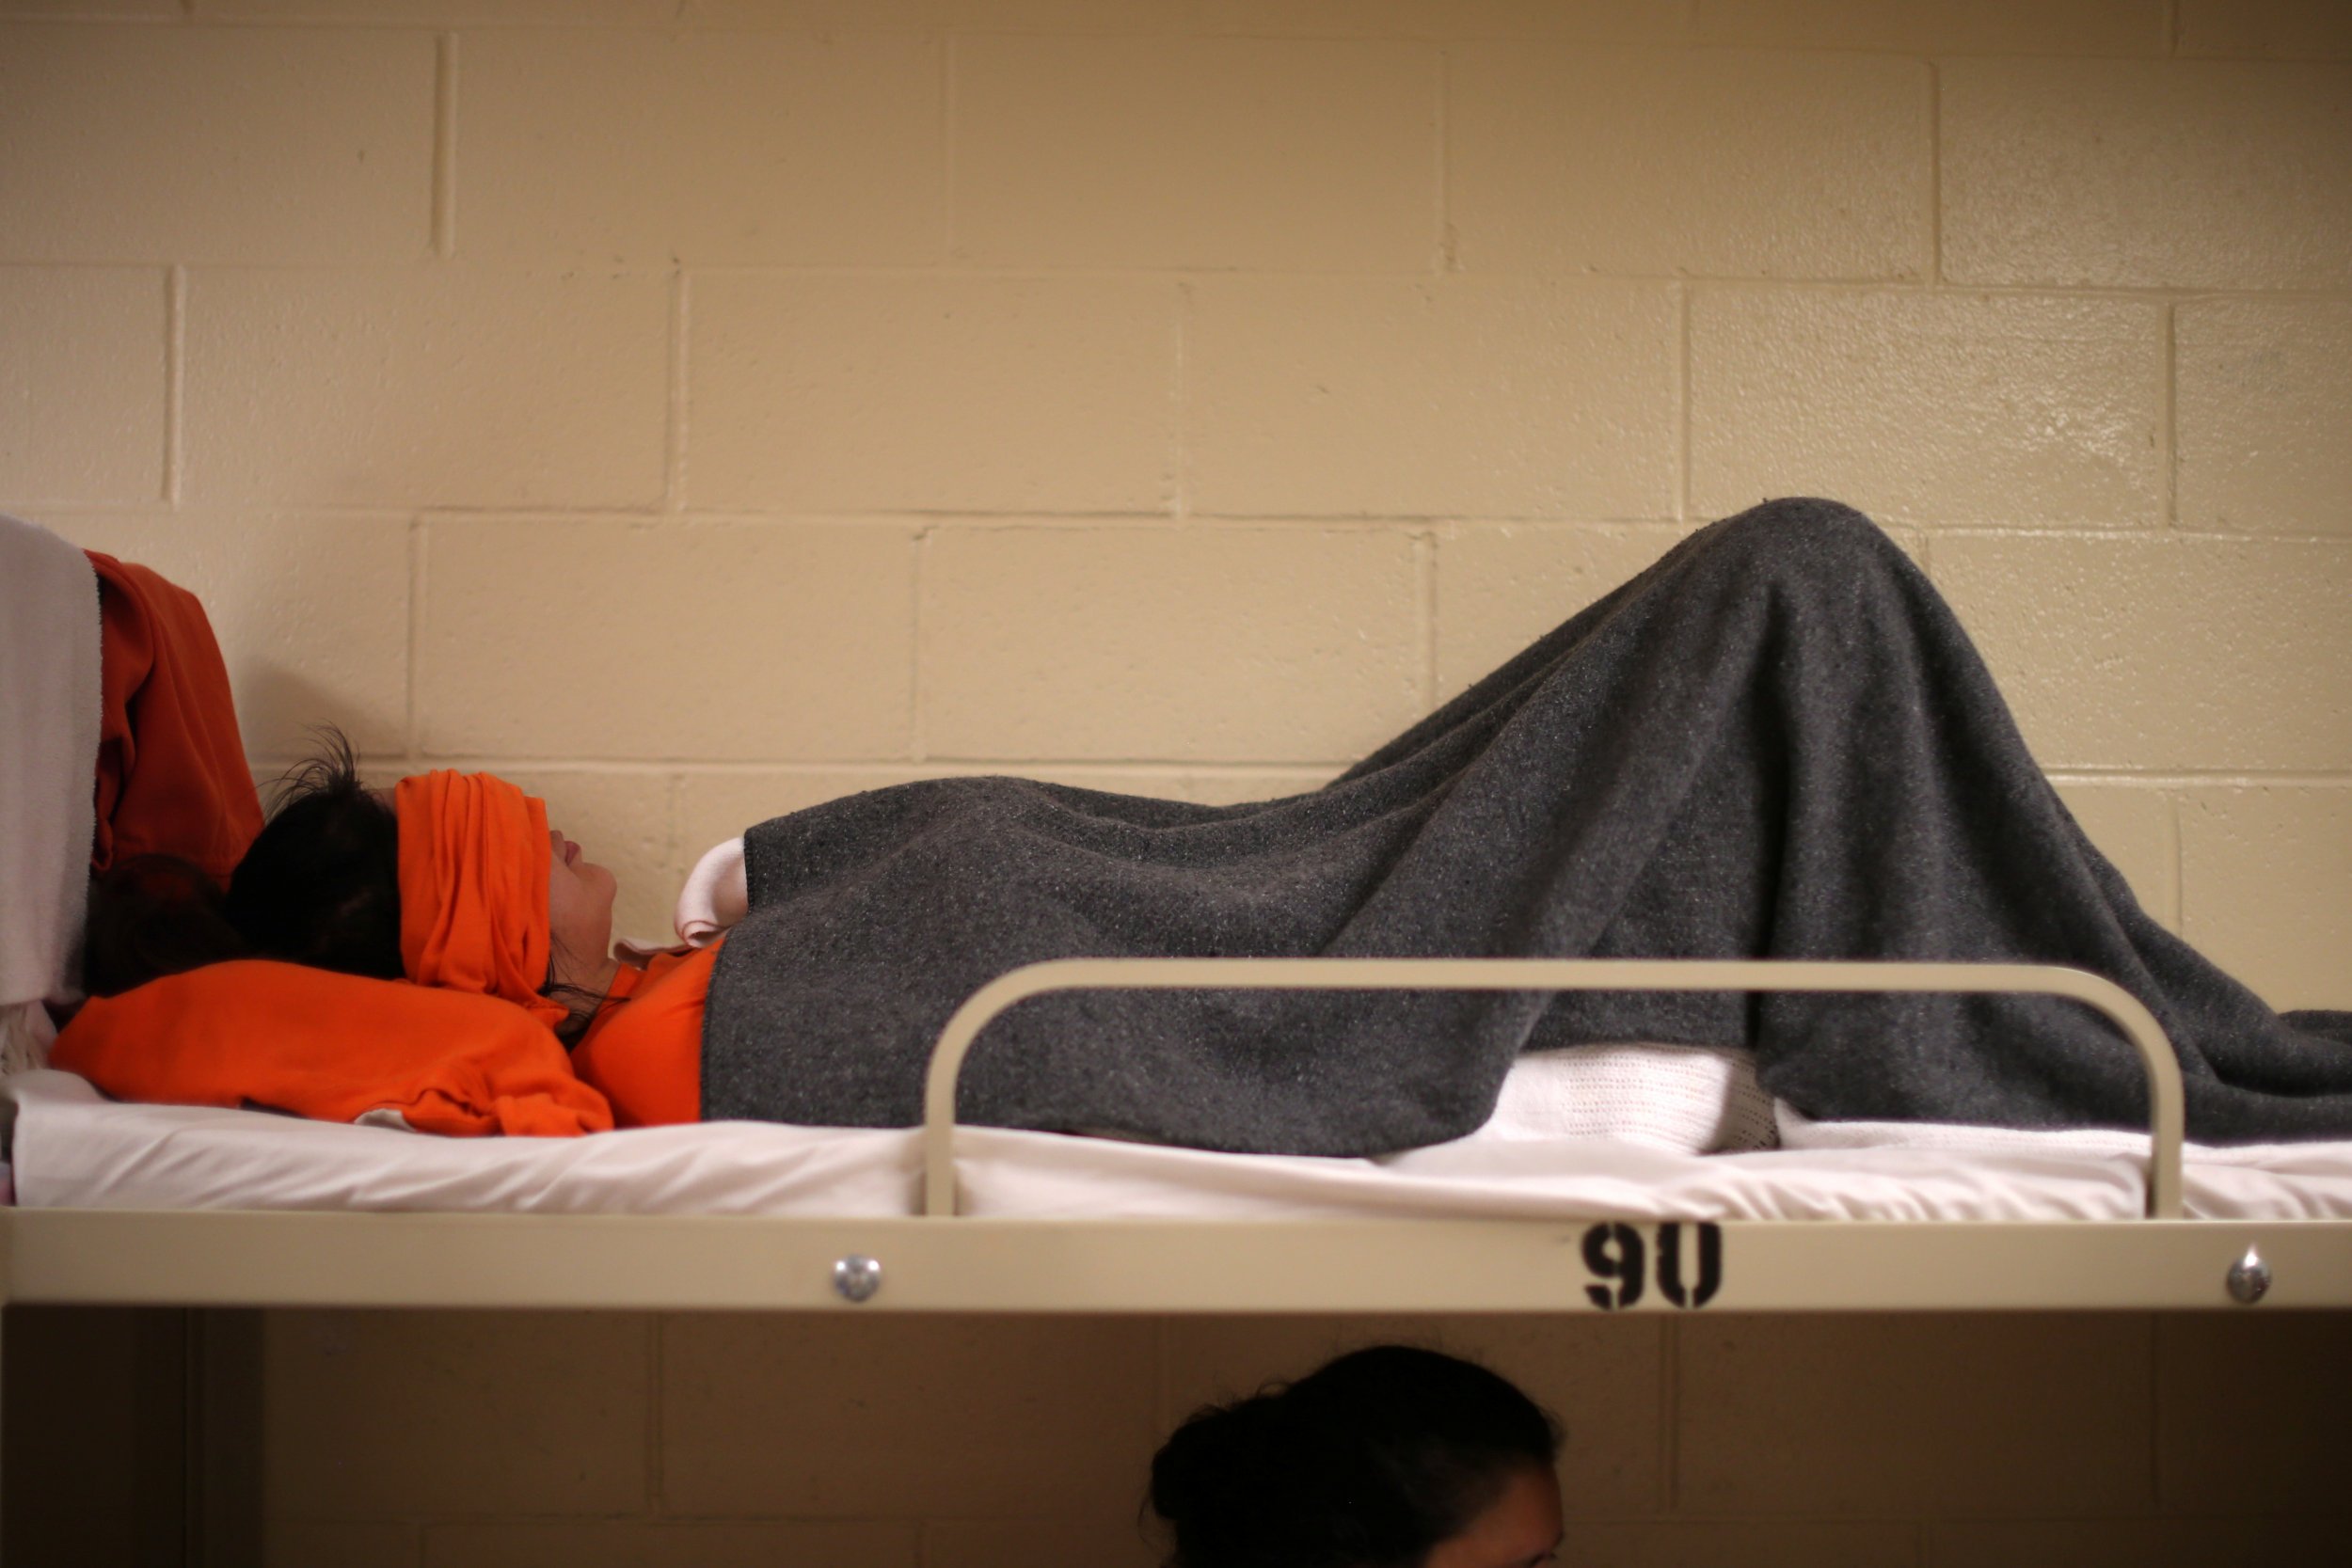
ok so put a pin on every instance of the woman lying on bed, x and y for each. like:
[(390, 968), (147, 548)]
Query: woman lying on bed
[(420, 951), (1776, 742)]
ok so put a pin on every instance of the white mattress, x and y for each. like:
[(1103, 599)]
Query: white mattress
[(75, 1148)]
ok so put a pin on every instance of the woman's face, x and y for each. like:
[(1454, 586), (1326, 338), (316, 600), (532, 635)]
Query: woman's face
[(1519, 1529), (579, 910)]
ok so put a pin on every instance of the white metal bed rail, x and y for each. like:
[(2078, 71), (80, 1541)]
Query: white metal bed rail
[(2120, 1007)]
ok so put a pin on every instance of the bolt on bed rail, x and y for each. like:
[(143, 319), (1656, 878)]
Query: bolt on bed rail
[(2120, 1007)]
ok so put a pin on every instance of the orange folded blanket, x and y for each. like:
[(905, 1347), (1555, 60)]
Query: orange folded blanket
[(285, 1036)]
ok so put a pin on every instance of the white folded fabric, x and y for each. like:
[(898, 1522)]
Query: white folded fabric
[(1693, 1100), (49, 701), (715, 896)]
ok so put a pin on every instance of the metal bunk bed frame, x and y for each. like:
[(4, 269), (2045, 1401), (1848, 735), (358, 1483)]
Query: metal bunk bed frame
[(941, 1261)]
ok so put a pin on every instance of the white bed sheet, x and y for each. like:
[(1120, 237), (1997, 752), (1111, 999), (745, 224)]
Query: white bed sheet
[(73, 1149)]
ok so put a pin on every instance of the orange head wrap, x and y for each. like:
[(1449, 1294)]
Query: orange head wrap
[(473, 887)]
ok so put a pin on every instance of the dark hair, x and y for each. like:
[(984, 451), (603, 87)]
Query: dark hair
[(1368, 1463), (321, 884)]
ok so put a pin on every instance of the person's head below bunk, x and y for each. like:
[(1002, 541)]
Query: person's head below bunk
[(1389, 1457), (448, 878)]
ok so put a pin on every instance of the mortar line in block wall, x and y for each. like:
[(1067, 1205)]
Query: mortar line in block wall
[(674, 827), (196, 1527), (2168, 417), (656, 1504), (2118, 532), (445, 145), (1593, 277), (1366, 520), (2177, 844), (2171, 26), (1670, 1418), (855, 28), (2155, 1410), (1238, 770), (947, 150), (1185, 305), (673, 431), (180, 15), (1935, 174), (1034, 521), (410, 737), (2174, 779), (175, 381), (1425, 568), (1682, 403), (1447, 258), (918, 739), (1585, 275), (1882, 283), (1027, 519), (2143, 292)]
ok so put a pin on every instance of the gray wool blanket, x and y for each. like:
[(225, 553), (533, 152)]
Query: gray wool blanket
[(1776, 742)]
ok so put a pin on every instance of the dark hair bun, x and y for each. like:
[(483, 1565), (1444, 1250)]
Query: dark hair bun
[(1212, 1454), (1231, 1474), (1368, 1463), (1260, 1481)]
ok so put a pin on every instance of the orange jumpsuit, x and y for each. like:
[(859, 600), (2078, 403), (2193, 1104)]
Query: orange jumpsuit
[(645, 1051)]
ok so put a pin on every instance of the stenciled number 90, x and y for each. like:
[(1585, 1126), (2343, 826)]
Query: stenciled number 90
[(1619, 1261)]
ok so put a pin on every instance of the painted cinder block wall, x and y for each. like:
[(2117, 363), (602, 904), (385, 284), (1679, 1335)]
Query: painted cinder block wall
[(698, 408)]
